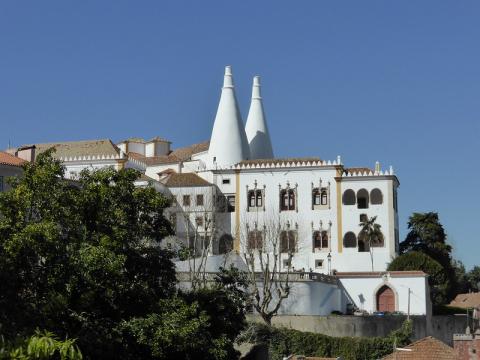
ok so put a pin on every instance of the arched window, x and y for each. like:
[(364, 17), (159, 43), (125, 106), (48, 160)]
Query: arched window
[(316, 197), (362, 199), (287, 199), (324, 239), (317, 240), (350, 240), (225, 244), (255, 199), (255, 240), (349, 197), (378, 241), (376, 197), (288, 241), (320, 240), (324, 199), (363, 245)]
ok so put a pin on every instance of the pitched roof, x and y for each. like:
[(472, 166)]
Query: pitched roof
[(424, 349), (7, 159), (177, 155), (186, 152), (78, 148), (279, 161), (467, 301), (184, 180)]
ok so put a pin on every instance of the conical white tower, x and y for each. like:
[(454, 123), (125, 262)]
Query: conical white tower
[(257, 131), (228, 144)]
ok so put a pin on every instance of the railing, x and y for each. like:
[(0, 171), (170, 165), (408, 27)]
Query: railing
[(292, 277)]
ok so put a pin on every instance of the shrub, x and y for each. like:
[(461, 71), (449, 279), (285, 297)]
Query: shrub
[(282, 342)]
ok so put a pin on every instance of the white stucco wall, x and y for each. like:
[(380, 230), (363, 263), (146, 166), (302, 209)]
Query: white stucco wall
[(362, 291), (307, 219)]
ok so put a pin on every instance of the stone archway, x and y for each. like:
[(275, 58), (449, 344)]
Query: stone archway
[(386, 299)]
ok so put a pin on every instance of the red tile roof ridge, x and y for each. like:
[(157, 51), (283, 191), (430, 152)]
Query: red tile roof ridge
[(9, 159)]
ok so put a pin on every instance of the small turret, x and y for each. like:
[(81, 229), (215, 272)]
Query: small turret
[(257, 131), (228, 143)]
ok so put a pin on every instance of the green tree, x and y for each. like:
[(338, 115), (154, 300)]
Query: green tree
[(437, 278), (79, 257), (82, 259), (371, 234), (473, 279), (428, 236)]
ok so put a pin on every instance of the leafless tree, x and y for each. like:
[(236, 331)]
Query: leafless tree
[(198, 229), (265, 245)]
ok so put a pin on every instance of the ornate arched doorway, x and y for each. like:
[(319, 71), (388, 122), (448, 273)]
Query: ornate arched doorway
[(385, 299)]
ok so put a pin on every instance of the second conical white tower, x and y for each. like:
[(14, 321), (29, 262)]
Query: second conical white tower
[(228, 144), (256, 129)]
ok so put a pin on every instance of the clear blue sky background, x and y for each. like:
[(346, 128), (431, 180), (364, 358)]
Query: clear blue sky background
[(394, 81)]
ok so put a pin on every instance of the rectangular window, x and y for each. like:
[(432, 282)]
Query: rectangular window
[(319, 264), (200, 200), (286, 263), (363, 217), (186, 200), (226, 181)]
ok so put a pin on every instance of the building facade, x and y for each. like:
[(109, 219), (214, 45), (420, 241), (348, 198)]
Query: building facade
[(230, 194)]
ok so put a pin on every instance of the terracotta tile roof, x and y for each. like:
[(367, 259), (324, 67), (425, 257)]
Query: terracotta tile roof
[(187, 151), (143, 141), (278, 161), (184, 180), (177, 155), (424, 349), (467, 301), (144, 177), (136, 156), (78, 148), (411, 273), (7, 159)]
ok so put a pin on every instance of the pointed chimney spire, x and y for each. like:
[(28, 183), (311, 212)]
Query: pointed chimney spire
[(228, 143), (256, 128)]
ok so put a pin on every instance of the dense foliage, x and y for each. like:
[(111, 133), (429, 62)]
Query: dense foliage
[(428, 238), (438, 280), (82, 259), (42, 346), (283, 342)]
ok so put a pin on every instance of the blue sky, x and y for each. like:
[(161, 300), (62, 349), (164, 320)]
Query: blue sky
[(393, 81)]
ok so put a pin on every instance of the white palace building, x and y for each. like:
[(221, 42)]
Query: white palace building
[(229, 191)]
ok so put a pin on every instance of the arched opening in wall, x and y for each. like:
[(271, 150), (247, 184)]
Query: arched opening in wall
[(287, 199), (255, 240), (324, 197), (255, 199), (376, 197), (320, 240), (363, 245), (348, 197), (225, 244), (325, 239), (349, 240), (362, 199), (385, 299), (378, 241), (288, 241)]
